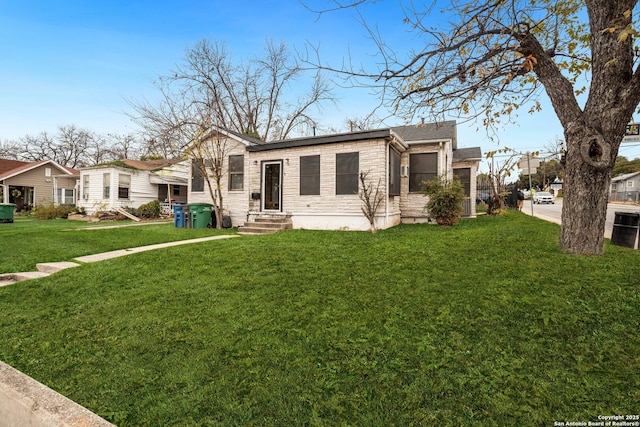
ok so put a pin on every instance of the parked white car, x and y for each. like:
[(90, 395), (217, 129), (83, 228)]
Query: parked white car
[(543, 197)]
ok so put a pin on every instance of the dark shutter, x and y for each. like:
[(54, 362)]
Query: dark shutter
[(347, 166), (309, 175)]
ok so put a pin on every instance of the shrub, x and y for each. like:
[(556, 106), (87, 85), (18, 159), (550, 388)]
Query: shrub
[(149, 210), (445, 199), (51, 211)]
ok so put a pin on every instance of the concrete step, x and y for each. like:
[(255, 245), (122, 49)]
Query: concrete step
[(273, 219), (54, 267), (266, 225), (263, 224), (11, 278), (257, 230)]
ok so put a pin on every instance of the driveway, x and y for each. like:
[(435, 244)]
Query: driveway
[(553, 213)]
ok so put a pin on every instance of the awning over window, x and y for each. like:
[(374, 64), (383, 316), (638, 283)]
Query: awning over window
[(166, 179)]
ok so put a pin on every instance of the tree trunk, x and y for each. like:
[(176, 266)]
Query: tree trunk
[(584, 210)]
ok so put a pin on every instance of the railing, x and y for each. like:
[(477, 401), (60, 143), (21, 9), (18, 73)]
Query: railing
[(167, 208), (624, 196)]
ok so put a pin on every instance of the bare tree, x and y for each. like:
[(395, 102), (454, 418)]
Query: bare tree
[(372, 197), (73, 147), (209, 150), (67, 147), (499, 172), (497, 57), (9, 150), (253, 98)]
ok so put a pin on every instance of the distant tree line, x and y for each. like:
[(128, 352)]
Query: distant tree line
[(75, 147)]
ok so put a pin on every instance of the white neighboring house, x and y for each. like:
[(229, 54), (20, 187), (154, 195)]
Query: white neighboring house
[(315, 180), (625, 188), (132, 183)]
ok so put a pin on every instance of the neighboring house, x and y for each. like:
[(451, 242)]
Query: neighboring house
[(132, 183), (29, 184), (315, 180), (624, 188)]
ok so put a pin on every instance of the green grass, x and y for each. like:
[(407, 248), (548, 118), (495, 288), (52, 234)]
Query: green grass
[(484, 323), (27, 241)]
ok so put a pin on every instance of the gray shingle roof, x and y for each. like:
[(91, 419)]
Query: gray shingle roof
[(325, 139), (624, 177), (471, 153), (428, 132)]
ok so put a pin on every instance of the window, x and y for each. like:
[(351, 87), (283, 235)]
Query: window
[(236, 173), (85, 187), (422, 167), (629, 184), (47, 171), (394, 172), (197, 178), (310, 175), (347, 166), (65, 196), (176, 190), (106, 185), (124, 182)]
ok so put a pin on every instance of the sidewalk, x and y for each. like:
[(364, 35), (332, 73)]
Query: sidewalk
[(48, 268)]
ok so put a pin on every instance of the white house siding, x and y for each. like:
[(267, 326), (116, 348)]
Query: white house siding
[(327, 210), (412, 204), (235, 202), (141, 191)]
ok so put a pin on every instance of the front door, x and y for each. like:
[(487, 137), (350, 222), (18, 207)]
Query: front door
[(271, 186)]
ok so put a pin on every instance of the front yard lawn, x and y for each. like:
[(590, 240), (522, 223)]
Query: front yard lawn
[(27, 241), (484, 323)]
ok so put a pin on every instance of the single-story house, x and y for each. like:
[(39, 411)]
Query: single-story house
[(29, 184), (314, 181), (133, 183), (624, 188)]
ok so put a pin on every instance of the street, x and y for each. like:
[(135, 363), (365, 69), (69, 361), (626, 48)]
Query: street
[(553, 213)]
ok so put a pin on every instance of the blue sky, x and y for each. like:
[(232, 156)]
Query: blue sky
[(78, 62)]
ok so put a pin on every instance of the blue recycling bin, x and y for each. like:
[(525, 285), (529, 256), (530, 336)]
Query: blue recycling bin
[(178, 216)]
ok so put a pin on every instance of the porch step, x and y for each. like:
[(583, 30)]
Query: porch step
[(266, 225)]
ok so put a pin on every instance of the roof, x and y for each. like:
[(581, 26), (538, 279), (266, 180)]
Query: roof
[(145, 165), (150, 165), (624, 176), (471, 153), (325, 139), (246, 139), (22, 167), (7, 165), (424, 132), (163, 179)]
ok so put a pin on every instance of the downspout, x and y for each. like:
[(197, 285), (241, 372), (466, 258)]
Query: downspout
[(386, 187)]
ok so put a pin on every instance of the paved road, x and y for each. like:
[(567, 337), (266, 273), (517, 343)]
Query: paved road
[(553, 213)]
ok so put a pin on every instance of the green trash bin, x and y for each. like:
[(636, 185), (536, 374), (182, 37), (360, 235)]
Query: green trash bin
[(200, 214), (6, 212)]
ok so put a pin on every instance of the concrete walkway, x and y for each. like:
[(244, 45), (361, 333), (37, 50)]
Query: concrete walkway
[(48, 268)]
